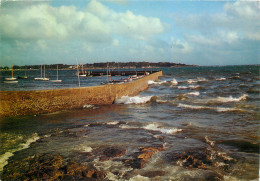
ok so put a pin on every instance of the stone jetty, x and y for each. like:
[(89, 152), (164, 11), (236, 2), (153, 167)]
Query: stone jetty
[(13, 103)]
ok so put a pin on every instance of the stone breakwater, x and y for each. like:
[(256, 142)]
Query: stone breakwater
[(14, 103)]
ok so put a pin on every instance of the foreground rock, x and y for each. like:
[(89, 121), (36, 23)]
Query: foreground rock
[(141, 157), (49, 167)]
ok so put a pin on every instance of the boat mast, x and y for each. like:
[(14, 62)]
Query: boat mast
[(41, 70), (44, 71), (78, 73), (107, 71), (12, 71), (57, 73)]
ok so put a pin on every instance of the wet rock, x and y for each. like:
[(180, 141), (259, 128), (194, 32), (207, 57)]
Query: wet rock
[(213, 176), (141, 157), (135, 163), (112, 152), (75, 169), (196, 158), (49, 167), (41, 166)]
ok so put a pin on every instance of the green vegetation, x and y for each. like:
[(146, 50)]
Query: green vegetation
[(101, 65)]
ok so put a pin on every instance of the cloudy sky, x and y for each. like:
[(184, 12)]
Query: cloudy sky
[(71, 31)]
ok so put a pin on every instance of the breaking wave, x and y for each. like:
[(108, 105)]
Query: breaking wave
[(226, 99), (156, 127), (218, 109), (4, 157), (193, 93), (182, 87), (153, 82), (190, 81), (153, 127), (231, 99), (189, 87), (221, 79), (133, 100), (174, 82)]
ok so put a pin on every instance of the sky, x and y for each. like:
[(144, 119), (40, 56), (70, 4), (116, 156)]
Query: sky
[(87, 31)]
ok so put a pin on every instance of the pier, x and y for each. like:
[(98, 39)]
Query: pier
[(120, 73), (15, 103)]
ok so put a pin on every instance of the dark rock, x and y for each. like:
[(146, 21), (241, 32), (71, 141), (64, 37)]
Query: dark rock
[(135, 163), (67, 178), (197, 158), (141, 157), (213, 176), (112, 152), (49, 167)]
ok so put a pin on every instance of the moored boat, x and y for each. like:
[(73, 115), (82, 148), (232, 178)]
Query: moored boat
[(57, 76), (11, 78)]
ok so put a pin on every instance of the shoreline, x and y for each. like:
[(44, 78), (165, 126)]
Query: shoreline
[(14, 103)]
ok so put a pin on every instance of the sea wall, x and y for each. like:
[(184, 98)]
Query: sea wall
[(13, 103)]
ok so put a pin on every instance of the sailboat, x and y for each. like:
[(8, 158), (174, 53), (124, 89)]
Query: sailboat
[(23, 77), (45, 78), (57, 77), (11, 78), (39, 78), (82, 73)]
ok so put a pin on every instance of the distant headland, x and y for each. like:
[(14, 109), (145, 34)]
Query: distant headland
[(102, 65)]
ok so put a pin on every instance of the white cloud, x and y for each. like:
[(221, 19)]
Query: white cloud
[(230, 37), (116, 42), (97, 23), (49, 32)]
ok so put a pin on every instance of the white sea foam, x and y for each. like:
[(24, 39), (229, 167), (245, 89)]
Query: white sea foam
[(153, 127), (4, 157), (174, 82), (218, 109), (89, 106), (153, 82), (194, 86), (192, 106), (111, 167), (231, 99), (190, 81), (87, 149), (182, 87), (224, 109), (125, 126), (193, 93), (156, 127), (133, 100), (113, 123), (139, 178), (221, 79), (161, 101), (150, 82)]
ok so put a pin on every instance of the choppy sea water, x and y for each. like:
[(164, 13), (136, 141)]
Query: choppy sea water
[(205, 120)]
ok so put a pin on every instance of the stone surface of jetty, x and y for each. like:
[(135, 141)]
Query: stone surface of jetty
[(13, 103)]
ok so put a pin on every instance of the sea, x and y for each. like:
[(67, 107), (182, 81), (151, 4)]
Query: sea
[(200, 123)]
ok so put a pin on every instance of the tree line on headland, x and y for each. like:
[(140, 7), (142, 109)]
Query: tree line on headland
[(102, 65)]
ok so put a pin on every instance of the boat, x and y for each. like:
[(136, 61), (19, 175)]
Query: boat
[(45, 78), (57, 77), (11, 78), (39, 78), (82, 73), (23, 77), (11, 81)]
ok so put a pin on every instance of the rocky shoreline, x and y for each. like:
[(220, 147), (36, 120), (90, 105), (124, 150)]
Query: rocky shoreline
[(92, 164)]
